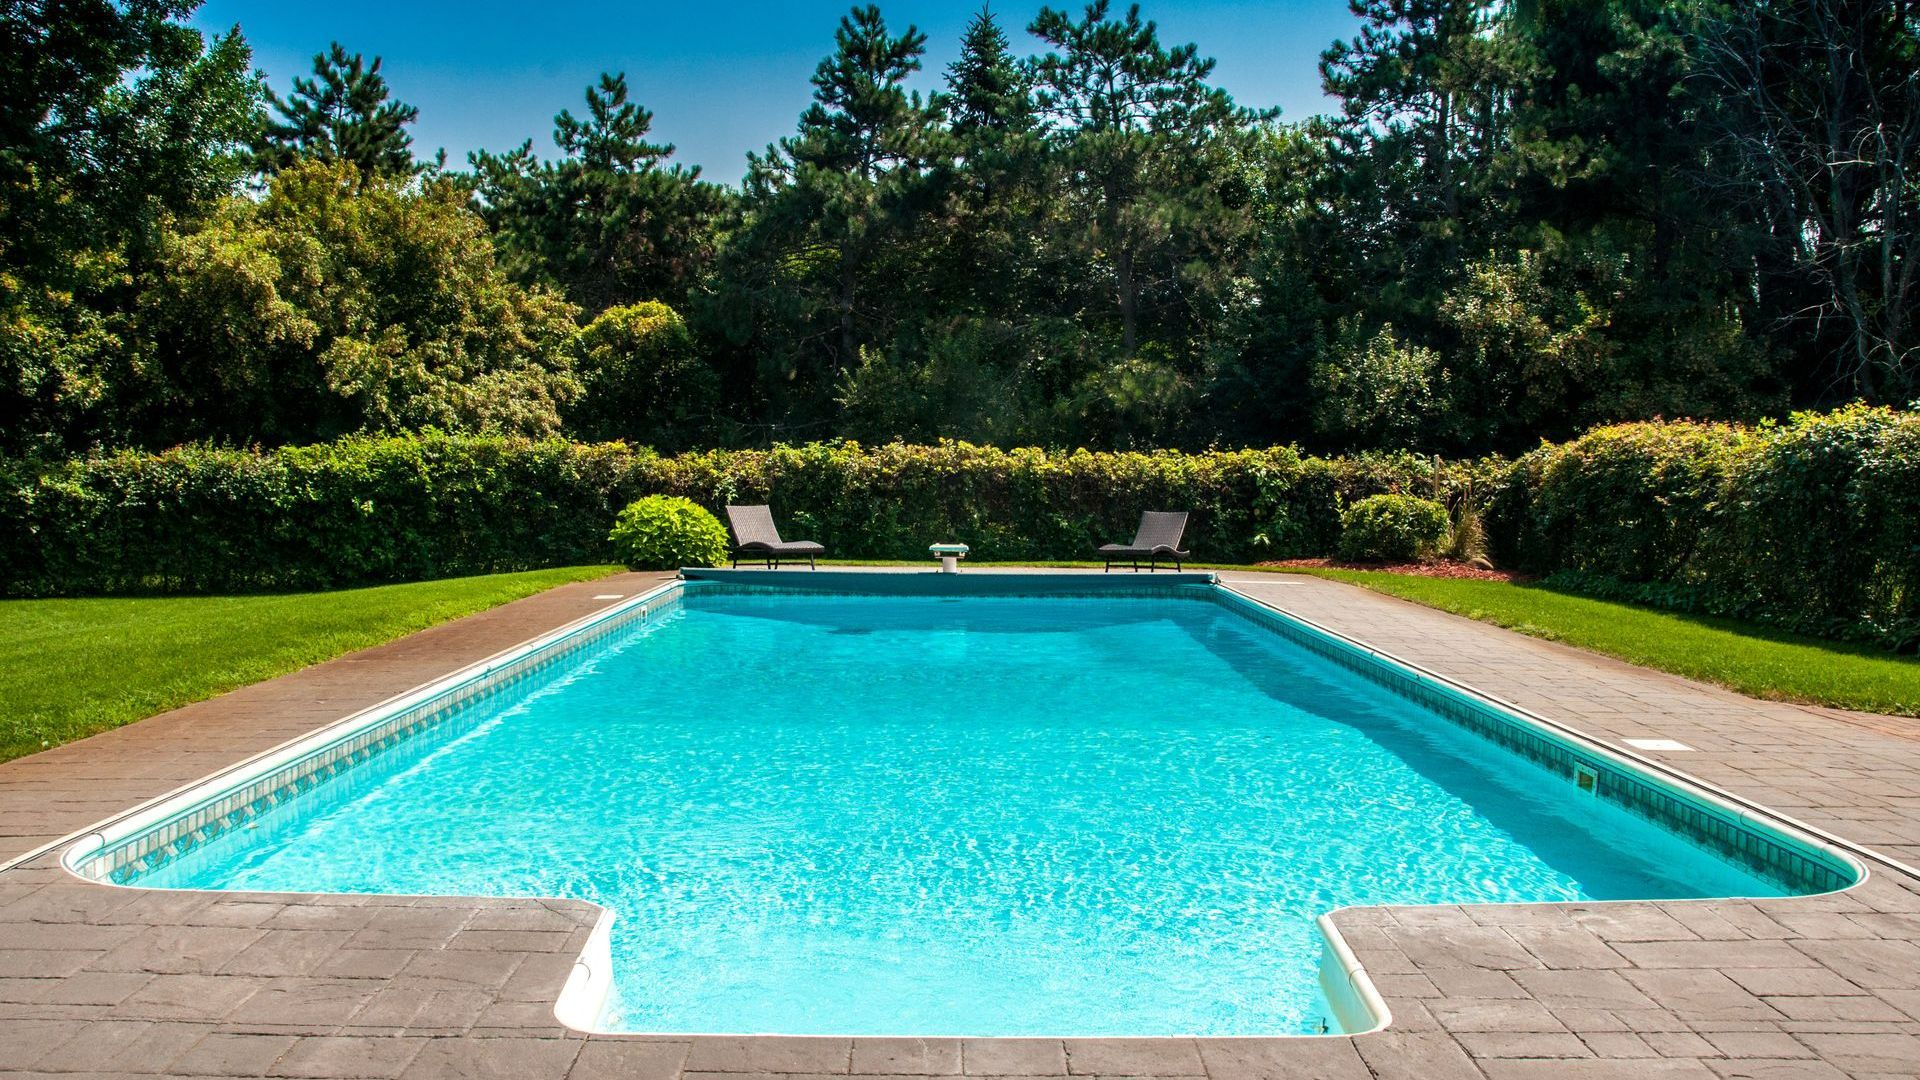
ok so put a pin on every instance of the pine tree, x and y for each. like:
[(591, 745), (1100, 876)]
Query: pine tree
[(343, 114), (1133, 120), (987, 90), (1424, 90), (613, 136), (862, 120), (849, 187), (609, 221), (998, 185)]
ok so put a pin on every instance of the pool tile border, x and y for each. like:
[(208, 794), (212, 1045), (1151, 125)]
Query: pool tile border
[(1800, 865), (142, 850), (1797, 864)]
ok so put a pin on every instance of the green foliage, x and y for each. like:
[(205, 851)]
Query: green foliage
[(197, 519), (642, 379), (1138, 129), (608, 222), (341, 116), (1392, 528), (1374, 391), (834, 218), (1815, 109), (1632, 501), (1524, 220), (343, 303), (666, 532), (1808, 524), (114, 118)]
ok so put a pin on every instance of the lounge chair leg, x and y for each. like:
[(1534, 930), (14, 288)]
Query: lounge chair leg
[(810, 565)]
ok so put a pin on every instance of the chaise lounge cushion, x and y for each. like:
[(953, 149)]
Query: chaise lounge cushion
[(1128, 549), (790, 547)]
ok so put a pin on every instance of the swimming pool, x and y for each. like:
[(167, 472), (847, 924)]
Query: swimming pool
[(815, 813)]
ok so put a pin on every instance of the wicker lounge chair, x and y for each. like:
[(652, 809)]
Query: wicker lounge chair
[(756, 539), (1158, 538)]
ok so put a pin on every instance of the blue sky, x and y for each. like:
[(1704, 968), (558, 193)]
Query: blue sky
[(721, 78)]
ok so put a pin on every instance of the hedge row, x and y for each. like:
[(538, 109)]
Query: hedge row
[(368, 510), (1812, 525)]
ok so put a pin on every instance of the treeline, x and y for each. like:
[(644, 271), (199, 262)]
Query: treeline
[(1526, 218), (1811, 524)]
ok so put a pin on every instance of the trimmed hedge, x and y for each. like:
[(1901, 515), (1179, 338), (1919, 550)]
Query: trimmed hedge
[(1395, 527), (352, 512), (365, 510), (1812, 525)]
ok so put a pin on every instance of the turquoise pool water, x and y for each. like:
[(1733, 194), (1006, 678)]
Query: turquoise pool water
[(984, 816)]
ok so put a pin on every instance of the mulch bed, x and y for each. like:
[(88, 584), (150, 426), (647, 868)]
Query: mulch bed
[(1440, 569)]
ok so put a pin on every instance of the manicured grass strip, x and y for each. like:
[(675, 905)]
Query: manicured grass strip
[(72, 668), (1754, 660)]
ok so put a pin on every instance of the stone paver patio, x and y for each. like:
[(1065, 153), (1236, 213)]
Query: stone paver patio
[(108, 981)]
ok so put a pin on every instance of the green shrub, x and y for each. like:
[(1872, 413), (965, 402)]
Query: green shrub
[(360, 510), (666, 532), (1633, 500), (1394, 528), (1813, 524)]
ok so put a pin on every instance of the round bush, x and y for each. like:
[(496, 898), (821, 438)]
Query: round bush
[(666, 532), (1391, 527)]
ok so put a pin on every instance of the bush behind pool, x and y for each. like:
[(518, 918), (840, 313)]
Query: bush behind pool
[(1812, 523), (1392, 528), (667, 532)]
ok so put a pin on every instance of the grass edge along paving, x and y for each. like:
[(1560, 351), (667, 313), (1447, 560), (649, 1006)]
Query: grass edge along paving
[(70, 668), (1744, 657)]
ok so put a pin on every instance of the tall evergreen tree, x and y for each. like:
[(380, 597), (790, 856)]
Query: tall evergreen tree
[(998, 186), (341, 114), (609, 221), (832, 213), (1424, 108), (987, 89), (1133, 121)]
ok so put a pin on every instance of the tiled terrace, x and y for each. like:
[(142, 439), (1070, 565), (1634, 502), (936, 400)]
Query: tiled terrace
[(99, 980)]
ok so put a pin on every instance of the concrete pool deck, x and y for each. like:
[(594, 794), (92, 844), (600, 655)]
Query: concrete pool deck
[(108, 981)]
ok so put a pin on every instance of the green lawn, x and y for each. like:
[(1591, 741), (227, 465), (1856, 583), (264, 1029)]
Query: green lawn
[(71, 668), (1753, 660)]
